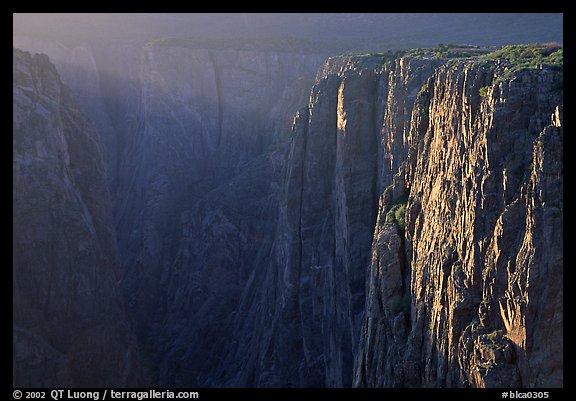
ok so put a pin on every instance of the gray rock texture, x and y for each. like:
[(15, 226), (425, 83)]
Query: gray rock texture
[(195, 208), (70, 327)]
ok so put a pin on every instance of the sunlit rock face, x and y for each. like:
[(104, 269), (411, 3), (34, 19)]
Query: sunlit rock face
[(479, 267), (70, 327)]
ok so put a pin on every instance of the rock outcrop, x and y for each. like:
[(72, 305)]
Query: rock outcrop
[(70, 327), (478, 270)]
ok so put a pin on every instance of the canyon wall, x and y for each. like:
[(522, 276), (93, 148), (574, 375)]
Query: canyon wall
[(467, 290), (70, 326), (299, 320), (193, 148)]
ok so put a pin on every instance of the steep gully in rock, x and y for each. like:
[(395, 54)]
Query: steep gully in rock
[(255, 255)]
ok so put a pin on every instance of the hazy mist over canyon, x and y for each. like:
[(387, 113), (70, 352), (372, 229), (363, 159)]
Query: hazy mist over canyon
[(288, 200)]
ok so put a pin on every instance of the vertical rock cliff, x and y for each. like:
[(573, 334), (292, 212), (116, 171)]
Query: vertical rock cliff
[(205, 122), (465, 287), (387, 147), (70, 326), (299, 320)]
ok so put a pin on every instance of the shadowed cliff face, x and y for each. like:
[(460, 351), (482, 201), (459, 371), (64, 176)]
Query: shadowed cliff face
[(479, 268), (193, 176), (70, 328), (203, 116)]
